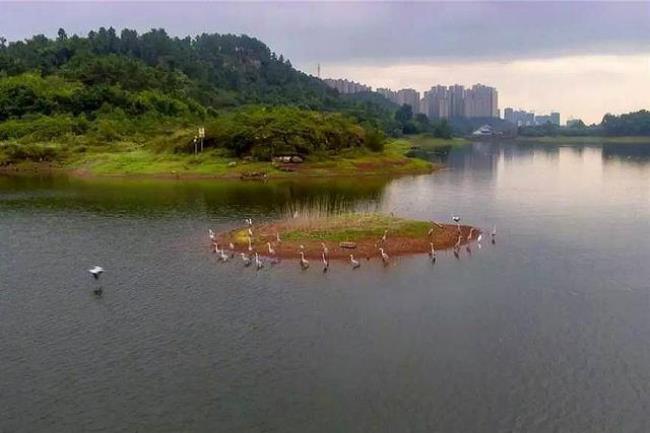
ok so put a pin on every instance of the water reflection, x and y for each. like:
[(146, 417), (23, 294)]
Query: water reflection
[(205, 196)]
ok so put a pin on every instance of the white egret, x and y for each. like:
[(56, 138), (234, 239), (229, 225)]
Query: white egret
[(326, 263), (304, 263), (248, 221), (96, 271), (245, 259), (355, 263), (384, 256), (271, 250), (471, 230), (259, 264), (326, 251), (211, 234), (432, 252)]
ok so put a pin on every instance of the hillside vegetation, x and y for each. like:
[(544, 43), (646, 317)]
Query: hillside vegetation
[(69, 98)]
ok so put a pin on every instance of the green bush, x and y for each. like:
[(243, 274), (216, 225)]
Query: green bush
[(375, 140)]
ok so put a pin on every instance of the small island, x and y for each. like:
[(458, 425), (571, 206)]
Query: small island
[(359, 234)]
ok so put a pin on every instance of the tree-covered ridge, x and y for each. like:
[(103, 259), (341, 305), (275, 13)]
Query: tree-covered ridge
[(75, 94), (213, 70)]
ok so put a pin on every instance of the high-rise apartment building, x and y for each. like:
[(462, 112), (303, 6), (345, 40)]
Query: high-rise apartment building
[(346, 86), (456, 101), (409, 97), (436, 103), (481, 101)]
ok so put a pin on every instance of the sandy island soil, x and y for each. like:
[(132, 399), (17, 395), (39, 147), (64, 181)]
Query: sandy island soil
[(364, 231)]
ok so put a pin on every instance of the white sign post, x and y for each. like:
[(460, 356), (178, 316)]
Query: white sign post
[(201, 136)]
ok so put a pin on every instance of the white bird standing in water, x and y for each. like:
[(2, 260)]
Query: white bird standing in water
[(271, 250), (326, 251), (326, 263), (383, 238), (223, 256), (259, 264), (304, 263), (469, 236), (245, 259), (432, 252), (96, 271), (355, 263), (211, 234), (249, 221), (384, 256)]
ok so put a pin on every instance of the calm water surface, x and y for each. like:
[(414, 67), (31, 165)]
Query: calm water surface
[(546, 331)]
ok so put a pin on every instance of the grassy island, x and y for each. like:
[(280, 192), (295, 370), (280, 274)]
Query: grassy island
[(352, 233)]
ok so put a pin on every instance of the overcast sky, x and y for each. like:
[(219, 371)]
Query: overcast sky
[(580, 58)]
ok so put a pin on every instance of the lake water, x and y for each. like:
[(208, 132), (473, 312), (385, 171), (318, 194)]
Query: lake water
[(548, 330)]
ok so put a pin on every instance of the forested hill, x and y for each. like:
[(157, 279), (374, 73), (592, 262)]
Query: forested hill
[(208, 72)]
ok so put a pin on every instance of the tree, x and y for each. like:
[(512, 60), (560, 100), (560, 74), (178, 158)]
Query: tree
[(61, 35), (404, 114)]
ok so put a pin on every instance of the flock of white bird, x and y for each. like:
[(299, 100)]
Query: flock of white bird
[(255, 258)]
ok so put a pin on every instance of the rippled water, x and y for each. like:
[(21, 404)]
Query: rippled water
[(548, 330)]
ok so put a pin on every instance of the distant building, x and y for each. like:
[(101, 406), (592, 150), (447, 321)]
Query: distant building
[(410, 97), (519, 117), (436, 103), (553, 119), (456, 101), (388, 94), (346, 86), (441, 102), (481, 101)]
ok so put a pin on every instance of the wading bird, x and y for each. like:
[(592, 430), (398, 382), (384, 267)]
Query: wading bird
[(271, 250), (249, 221), (384, 256), (432, 252), (211, 234), (326, 263), (355, 263), (245, 259), (326, 251), (96, 271), (259, 264), (277, 237), (304, 263), (469, 236), (223, 256), (383, 238)]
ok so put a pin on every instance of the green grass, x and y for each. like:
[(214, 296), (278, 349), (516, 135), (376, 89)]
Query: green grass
[(428, 142), (346, 227), (141, 158)]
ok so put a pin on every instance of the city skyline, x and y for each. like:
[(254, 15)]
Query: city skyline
[(548, 55)]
